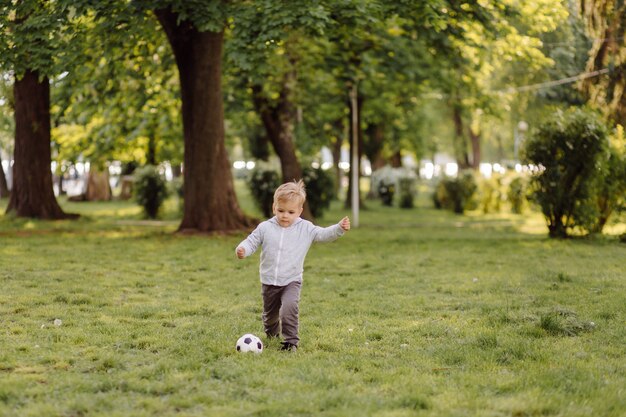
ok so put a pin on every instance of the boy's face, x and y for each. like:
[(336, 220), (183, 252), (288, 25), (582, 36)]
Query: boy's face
[(287, 211)]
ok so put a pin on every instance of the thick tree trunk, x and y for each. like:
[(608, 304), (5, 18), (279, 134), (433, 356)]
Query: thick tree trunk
[(98, 186), (209, 193), (278, 121), (4, 188), (32, 194)]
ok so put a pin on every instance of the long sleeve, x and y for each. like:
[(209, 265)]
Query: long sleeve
[(327, 234), (253, 241)]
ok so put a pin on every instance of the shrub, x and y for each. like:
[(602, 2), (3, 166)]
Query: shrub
[(386, 191), (320, 189), (456, 193), (491, 194), (516, 194), (262, 184), (383, 184), (176, 188), (610, 186), (150, 189), (566, 148), (386, 182), (406, 186)]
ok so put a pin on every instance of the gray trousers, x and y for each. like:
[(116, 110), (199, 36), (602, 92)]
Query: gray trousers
[(280, 310)]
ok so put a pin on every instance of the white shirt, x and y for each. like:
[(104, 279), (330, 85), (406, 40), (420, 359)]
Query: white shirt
[(284, 248)]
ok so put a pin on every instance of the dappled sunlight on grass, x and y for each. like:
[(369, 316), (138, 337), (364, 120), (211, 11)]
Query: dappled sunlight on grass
[(100, 209)]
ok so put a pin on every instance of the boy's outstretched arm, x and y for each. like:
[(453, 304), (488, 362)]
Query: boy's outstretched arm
[(250, 244), (345, 224)]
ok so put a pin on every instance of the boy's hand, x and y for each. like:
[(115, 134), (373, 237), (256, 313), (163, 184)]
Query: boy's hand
[(241, 252), (345, 224)]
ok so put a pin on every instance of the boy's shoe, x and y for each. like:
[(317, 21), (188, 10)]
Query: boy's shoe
[(289, 347)]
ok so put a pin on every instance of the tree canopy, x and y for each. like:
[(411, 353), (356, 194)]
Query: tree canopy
[(144, 81)]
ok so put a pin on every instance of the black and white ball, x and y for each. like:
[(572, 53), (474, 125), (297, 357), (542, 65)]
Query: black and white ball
[(249, 343)]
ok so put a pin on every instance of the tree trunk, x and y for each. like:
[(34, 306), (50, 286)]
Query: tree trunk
[(32, 194), (336, 152), (396, 159), (4, 188), (278, 121), (60, 184), (475, 141), (209, 193), (359, 138), (375, 134), (151, 158), (459, 137), (98, 186)]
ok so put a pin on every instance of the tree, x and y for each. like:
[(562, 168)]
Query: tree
[(484, 55), (567, 147), (605, 25), (36, 36), (268, 46), (196, 35), (123, 102)]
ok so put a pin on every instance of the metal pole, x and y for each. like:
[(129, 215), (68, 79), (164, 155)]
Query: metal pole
[(354, 164)]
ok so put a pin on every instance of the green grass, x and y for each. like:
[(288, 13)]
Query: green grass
[(416, 312)]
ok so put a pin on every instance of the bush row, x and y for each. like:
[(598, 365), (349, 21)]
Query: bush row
[(319, 189)]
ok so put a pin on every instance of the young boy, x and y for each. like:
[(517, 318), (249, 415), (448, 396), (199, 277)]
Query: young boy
[(285, 240)]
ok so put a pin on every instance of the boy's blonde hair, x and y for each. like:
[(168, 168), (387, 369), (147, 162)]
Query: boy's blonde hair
[(291, 191)]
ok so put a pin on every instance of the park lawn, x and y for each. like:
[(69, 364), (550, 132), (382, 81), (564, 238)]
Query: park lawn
[(417, 312)]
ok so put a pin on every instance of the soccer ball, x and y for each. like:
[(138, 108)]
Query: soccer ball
[(249, 343)]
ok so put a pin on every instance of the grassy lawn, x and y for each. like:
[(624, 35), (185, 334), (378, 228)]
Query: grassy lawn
[(416, 312)]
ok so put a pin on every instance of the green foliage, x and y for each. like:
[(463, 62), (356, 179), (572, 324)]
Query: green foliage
[(604, 18), (204, 15), (383, 184), (262, 184), (516, 194), (491, 194), (406, 192), (609, 188), (150, 189), (319, 189), (386, 191), (38, 36), (318, 183), (175, 187), (124, 100), (387, 182), (456, 193), (566, 149)]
